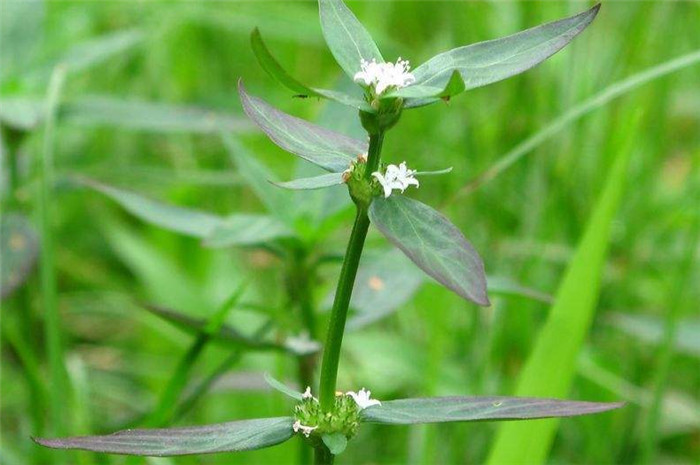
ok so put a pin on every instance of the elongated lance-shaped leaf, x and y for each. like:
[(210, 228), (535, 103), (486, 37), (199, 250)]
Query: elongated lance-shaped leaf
[(433, 243), (448, 409), (183, 220), (314, 182), (19, 248), (347, 38), (98, 110), (491, 61), (274, 69), (233, 436), (328, 149), (246, 229)]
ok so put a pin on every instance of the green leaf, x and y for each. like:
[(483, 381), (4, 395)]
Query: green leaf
[(246, 229), (149, 116), (346, 37), (93, 111), (283, 388), (19, 248), (274, 69), (336, 442), (454, 86), (314, 182), (433, 243), (449, 409), (186, 221), (222, 437), (258, 177), (551, 367), (328, 149), (491, 61)]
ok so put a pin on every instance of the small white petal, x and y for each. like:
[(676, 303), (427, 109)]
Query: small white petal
[(362, 398)]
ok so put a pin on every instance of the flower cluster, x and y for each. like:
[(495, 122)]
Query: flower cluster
[(345, 417), (383, 76), (396, 177)]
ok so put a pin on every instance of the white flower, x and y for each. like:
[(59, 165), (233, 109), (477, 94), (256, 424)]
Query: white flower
[(305, 430), (307, 394), (383, 76), (396, 177), (362, 399)]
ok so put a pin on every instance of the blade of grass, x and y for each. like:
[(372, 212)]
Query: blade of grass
[(601, 99), (550, 368), (58, 379)]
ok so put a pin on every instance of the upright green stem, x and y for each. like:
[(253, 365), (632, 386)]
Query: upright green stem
[(346, 281)]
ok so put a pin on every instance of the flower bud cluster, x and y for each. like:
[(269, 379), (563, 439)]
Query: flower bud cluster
[(311, 421)]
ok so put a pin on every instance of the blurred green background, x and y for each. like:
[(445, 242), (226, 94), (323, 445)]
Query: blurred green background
[(146, 87)]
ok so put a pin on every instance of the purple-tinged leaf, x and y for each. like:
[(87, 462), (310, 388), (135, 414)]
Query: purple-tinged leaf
[(491, 61), (328, 149), (448, 409), (223, 437), (433, 243)]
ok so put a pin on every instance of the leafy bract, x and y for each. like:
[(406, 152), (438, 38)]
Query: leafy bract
[(246, 229), (328, 149), (223, 437), (283, 388), (448, 409), (433, 243), (491, 61), (314, 182), (346, 37), (336, 442), (190, 222), (19, 247)]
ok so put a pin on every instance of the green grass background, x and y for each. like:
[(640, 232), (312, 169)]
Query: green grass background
[(526, 223)]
